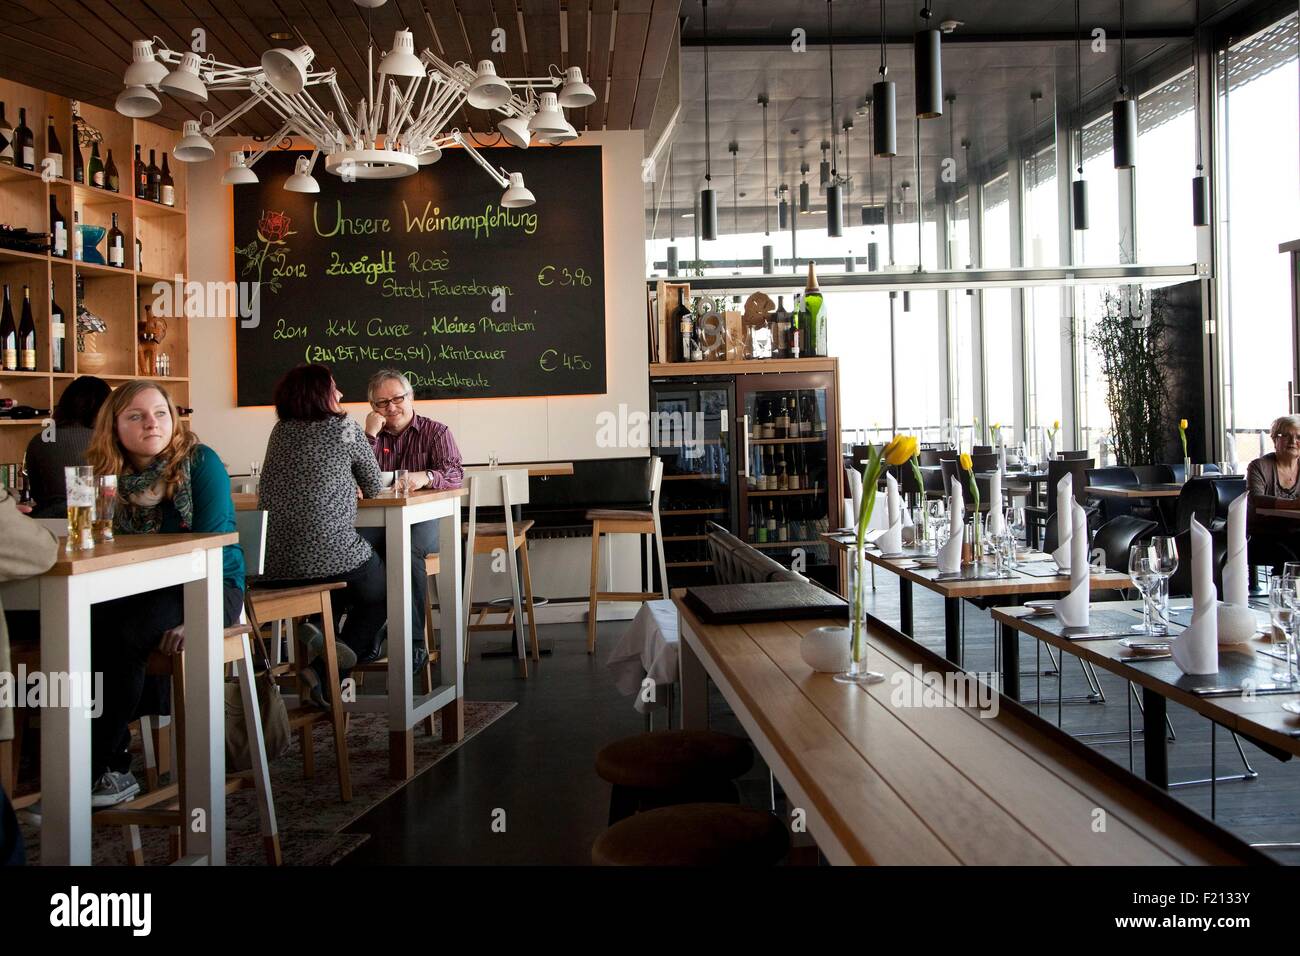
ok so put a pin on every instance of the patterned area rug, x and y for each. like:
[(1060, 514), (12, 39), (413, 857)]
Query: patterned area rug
[(309, 812)]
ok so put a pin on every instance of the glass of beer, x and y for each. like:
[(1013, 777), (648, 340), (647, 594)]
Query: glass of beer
[(80, 486), (105, 505)]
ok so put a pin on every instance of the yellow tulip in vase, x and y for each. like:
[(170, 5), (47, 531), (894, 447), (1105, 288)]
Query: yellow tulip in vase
[(898, 451), (977, 551), (1182, 437)]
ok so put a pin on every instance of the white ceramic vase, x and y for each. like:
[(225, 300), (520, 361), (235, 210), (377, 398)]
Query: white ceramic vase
[(826, 649)]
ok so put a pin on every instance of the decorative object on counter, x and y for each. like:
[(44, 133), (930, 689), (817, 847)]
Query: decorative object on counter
[(90, 359), (91, 237), (827, 650), (814, 316), (152, 330), (761, 335), (1051, 439)]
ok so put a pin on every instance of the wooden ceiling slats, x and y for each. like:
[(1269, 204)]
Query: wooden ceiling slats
[(602, 28), (511, 62), (577, 54), (659, 40), (625, 68)]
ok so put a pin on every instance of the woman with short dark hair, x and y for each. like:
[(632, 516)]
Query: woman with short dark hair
[(67, 443), (315, 461)]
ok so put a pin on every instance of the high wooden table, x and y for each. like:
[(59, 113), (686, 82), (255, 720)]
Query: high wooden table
[(396, 516), (1287, 514), (948, 783), (131, 564), (1132, 492), (969, 587), (1260, 717)]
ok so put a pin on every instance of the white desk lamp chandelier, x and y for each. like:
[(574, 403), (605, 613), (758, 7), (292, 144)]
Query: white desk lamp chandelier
[(400, 125)]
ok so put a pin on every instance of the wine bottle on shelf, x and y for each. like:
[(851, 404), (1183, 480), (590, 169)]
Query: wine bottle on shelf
[(814, 331), (782, 476), (771, 521), (783, 420), (111, 179), (761, 523), (54, 149), (139, 246), (78, 162), (769, 421), (782, 528), (796, 451), (753, 529), (155, 178), (140, 176), (167, 185), (6, 139), (27, 335), (78, 250), (58, 230), (780, 330), (8, 336), (58, 335), (116, 246), (96, 170), (770, 484), (819, 420), (796, 327), (24, 142)]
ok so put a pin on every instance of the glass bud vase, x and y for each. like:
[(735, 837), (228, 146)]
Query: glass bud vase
[(858, 672)]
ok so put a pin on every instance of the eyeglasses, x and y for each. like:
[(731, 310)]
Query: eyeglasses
[(1291, 437), (397, 400)]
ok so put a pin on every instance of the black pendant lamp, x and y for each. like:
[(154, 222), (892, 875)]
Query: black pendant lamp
[(672, 220), (883, 95), (1079, 188), (708, 198), (927, 69), (1124, 111), (734, 149), (872, 215), (1200, 185), (824, 169), (782, 208), (835, 190), (805, 206), (767, 196)]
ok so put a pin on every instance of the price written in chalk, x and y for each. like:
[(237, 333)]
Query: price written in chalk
[(552, 360), (564, 276)]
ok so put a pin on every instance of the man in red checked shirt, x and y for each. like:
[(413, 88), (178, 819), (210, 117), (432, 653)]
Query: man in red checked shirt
[(402, 439)]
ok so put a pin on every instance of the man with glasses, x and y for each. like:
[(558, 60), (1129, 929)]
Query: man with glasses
[(425, 449), (1271, 479)]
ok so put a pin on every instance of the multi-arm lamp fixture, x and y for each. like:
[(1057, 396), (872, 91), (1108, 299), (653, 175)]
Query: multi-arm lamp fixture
[(399, 126)]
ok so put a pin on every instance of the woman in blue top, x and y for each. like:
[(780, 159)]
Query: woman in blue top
[(166, 483)]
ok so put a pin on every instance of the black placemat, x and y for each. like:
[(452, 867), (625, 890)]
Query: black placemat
[(1234, 669), (773, 601)]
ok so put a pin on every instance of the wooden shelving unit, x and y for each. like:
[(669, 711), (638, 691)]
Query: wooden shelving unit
[(742, 367), (116, 295)]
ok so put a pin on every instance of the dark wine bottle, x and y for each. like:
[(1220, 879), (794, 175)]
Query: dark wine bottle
[(155, 179), (78, 164), (24, 142), (116, 246), (58, 230), (96, 167), (141, 176), (113, 182), (58, 335), (54, 149), (8, 336), (27, 335), (167, 185), (6, 139)]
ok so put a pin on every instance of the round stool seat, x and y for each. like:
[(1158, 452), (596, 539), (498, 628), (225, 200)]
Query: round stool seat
[(673, 759), (694, 834)]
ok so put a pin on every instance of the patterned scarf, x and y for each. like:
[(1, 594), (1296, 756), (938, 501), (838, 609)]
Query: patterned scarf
[(140, 495)]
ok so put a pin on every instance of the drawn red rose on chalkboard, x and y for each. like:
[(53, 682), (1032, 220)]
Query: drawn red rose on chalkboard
[(273, 226), (270, 245)]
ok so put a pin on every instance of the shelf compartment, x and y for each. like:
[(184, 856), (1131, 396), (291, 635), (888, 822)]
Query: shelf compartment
[(783, 494), (788, 441)]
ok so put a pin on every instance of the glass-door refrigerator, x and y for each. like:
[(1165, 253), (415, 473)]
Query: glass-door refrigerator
[(692, 428), (790, 474)]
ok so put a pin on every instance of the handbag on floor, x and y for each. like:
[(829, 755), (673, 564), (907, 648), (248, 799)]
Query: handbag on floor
[(271, 706)]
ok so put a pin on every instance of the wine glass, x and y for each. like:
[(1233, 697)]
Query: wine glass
[(1290, 572), (1164, 562), (1281, 607), (1146, 580)]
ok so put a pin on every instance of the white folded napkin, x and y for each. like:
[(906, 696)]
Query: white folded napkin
[(1064, 520), (1002, 455), (1072, 610), (1236, 576), (1231, 445), (950, 553), (1051, 446), (997, 521), (855, 497), (1196, 650), (892, 540)]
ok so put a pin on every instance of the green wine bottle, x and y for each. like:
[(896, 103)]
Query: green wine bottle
[(815, 318)]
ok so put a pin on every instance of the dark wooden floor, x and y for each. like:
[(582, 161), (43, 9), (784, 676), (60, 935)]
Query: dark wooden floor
[(524, 790)]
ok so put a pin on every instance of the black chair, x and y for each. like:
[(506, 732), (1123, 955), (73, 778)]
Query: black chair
[(981, 450), (951, 470), (929, 456), (1112, 508), (984, 461), (948, 454), (1207, 500), (1118, 535), (1074, 455), (1039, 517), (1270, 551), (1176, 474), (1149, 474)]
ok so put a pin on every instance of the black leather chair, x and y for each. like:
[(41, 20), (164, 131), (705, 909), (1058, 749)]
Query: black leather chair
[(1074, 455), (1177, 473), (981, 450), (1118, 535), (735, 562), (1180, 582), (1039, 518), (948, 454), (950, 470), (1207, 500), (929, 456)]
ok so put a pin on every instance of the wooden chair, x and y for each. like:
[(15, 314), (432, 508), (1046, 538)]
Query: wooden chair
[(627, 522), (28, 655), (503, 488)]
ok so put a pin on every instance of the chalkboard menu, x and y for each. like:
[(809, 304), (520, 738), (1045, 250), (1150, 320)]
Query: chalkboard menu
[(428, 274)]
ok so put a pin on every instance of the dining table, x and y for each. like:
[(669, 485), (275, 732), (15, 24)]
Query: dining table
[(127, 565), (396, 514), (1037, 575)]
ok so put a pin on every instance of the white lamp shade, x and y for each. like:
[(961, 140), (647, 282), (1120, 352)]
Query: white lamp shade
[(429, 156), (193, 147), (488, 91), (515, 130), (548, 118), (238, 174), (138, 101), (517, 194), (559, 136), (401, 60), (184, 82), (370, 4), (302, 180), (575, 93), (145, 70), (286, 70)]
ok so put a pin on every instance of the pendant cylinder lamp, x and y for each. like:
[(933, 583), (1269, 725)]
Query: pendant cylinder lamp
[(873, 257), (1079, 203), (672, 260), (782, 213), (708, 214), (1124, 121), (835, 210), (769, 262), (804, 205), (928, 72), (1200, 199), (884, 124), (850, 263), (708, 198)]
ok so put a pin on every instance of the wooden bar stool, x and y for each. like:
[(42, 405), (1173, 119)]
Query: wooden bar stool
[(504, 488), (613, 521), (672, 766), (694, 834)]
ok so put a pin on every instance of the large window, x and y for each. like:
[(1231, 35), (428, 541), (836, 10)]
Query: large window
[(1166, 163), (1099, 244), (997, 224), (920, 364), (1001, 360), (858, 334), (1044, 332), (1041, 217)]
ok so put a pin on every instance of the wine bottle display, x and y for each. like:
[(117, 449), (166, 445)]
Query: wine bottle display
[(96, 167), (58, 230), (27, 335), (112, 181), (815, 316), (6, 139), (116, 246), (58, 335), (8, 336), (155, 179), (53, 149), (24, 143), (167, 184), (141, 176)]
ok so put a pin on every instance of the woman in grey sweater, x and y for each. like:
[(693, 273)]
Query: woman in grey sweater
[(49, 452), (316, 460)]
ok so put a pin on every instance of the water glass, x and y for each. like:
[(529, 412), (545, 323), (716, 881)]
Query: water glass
[(79, 483), (255, 469), (401, 483), (105, 506), (1291, 571), (1282, 610), (1146, 580)]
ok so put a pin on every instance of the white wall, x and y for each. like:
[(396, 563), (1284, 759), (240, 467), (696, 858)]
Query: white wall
[(562, 428)]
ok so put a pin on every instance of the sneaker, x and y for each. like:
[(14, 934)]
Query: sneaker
[(112, 788), (316, 647)]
